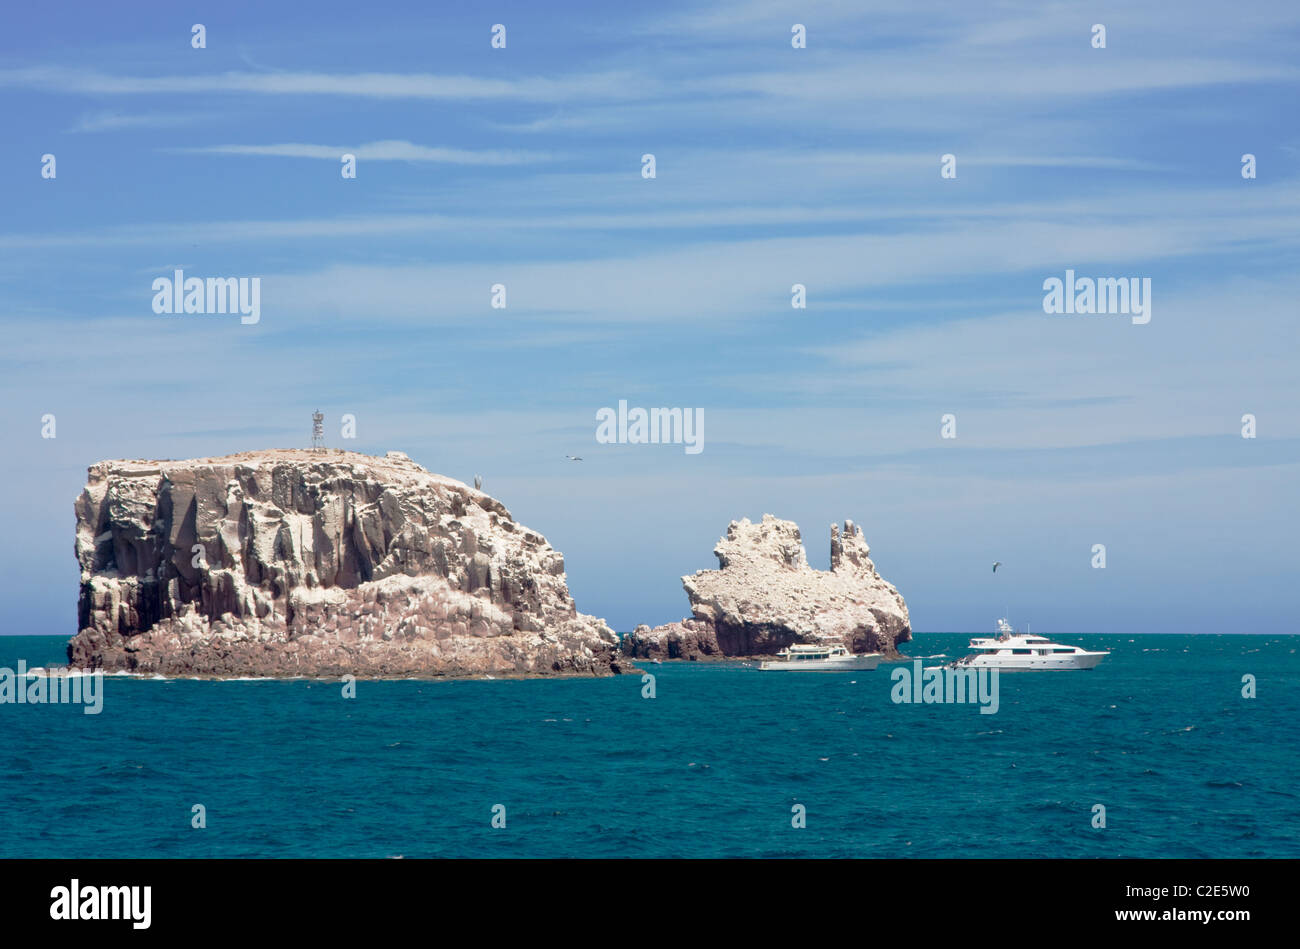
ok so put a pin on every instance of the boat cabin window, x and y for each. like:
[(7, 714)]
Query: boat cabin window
[(1020, 652), (1069, 649)]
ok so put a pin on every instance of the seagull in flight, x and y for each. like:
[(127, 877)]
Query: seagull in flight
[(996, 564), (573, 457)]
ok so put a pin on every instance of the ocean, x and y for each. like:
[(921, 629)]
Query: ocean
[(712, 766)]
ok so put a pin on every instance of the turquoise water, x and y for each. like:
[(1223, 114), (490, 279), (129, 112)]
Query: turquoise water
[(710, 767)]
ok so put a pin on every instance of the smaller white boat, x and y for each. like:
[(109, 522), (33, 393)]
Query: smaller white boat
[(805, 657)]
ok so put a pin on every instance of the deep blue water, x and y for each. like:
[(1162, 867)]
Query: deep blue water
[(711, 767)]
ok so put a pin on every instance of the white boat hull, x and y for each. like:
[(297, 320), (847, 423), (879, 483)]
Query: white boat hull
[(1087, 660), (861, 663)]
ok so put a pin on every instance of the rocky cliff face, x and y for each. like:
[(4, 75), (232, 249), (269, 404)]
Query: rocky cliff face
[(765, 596), (283, 563)]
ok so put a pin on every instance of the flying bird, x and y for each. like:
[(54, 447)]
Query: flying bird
[(573, 457), (996, 564)]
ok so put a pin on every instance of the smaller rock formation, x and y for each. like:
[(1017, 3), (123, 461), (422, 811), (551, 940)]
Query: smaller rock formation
[(689, 639), (765, 596)]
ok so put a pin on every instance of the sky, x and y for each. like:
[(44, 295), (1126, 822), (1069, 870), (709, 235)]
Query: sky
[(774, 166)]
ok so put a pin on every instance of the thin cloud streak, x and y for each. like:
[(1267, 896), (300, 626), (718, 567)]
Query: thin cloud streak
[(615, 85), (393, 150)]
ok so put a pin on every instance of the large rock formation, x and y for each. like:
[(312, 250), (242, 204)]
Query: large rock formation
[(764, 596), (284, 563)]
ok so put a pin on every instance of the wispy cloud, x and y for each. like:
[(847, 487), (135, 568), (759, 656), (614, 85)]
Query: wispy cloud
[(1221, 218), (107, 121), (895, 77), (376, 85), (887, 78), (380, 151)]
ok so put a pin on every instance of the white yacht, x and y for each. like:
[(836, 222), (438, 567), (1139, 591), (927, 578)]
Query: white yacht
[(805, 657), (1010, 650)]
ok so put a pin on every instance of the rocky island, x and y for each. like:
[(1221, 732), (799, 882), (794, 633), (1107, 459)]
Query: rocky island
[(765, 596), (318, 563)]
